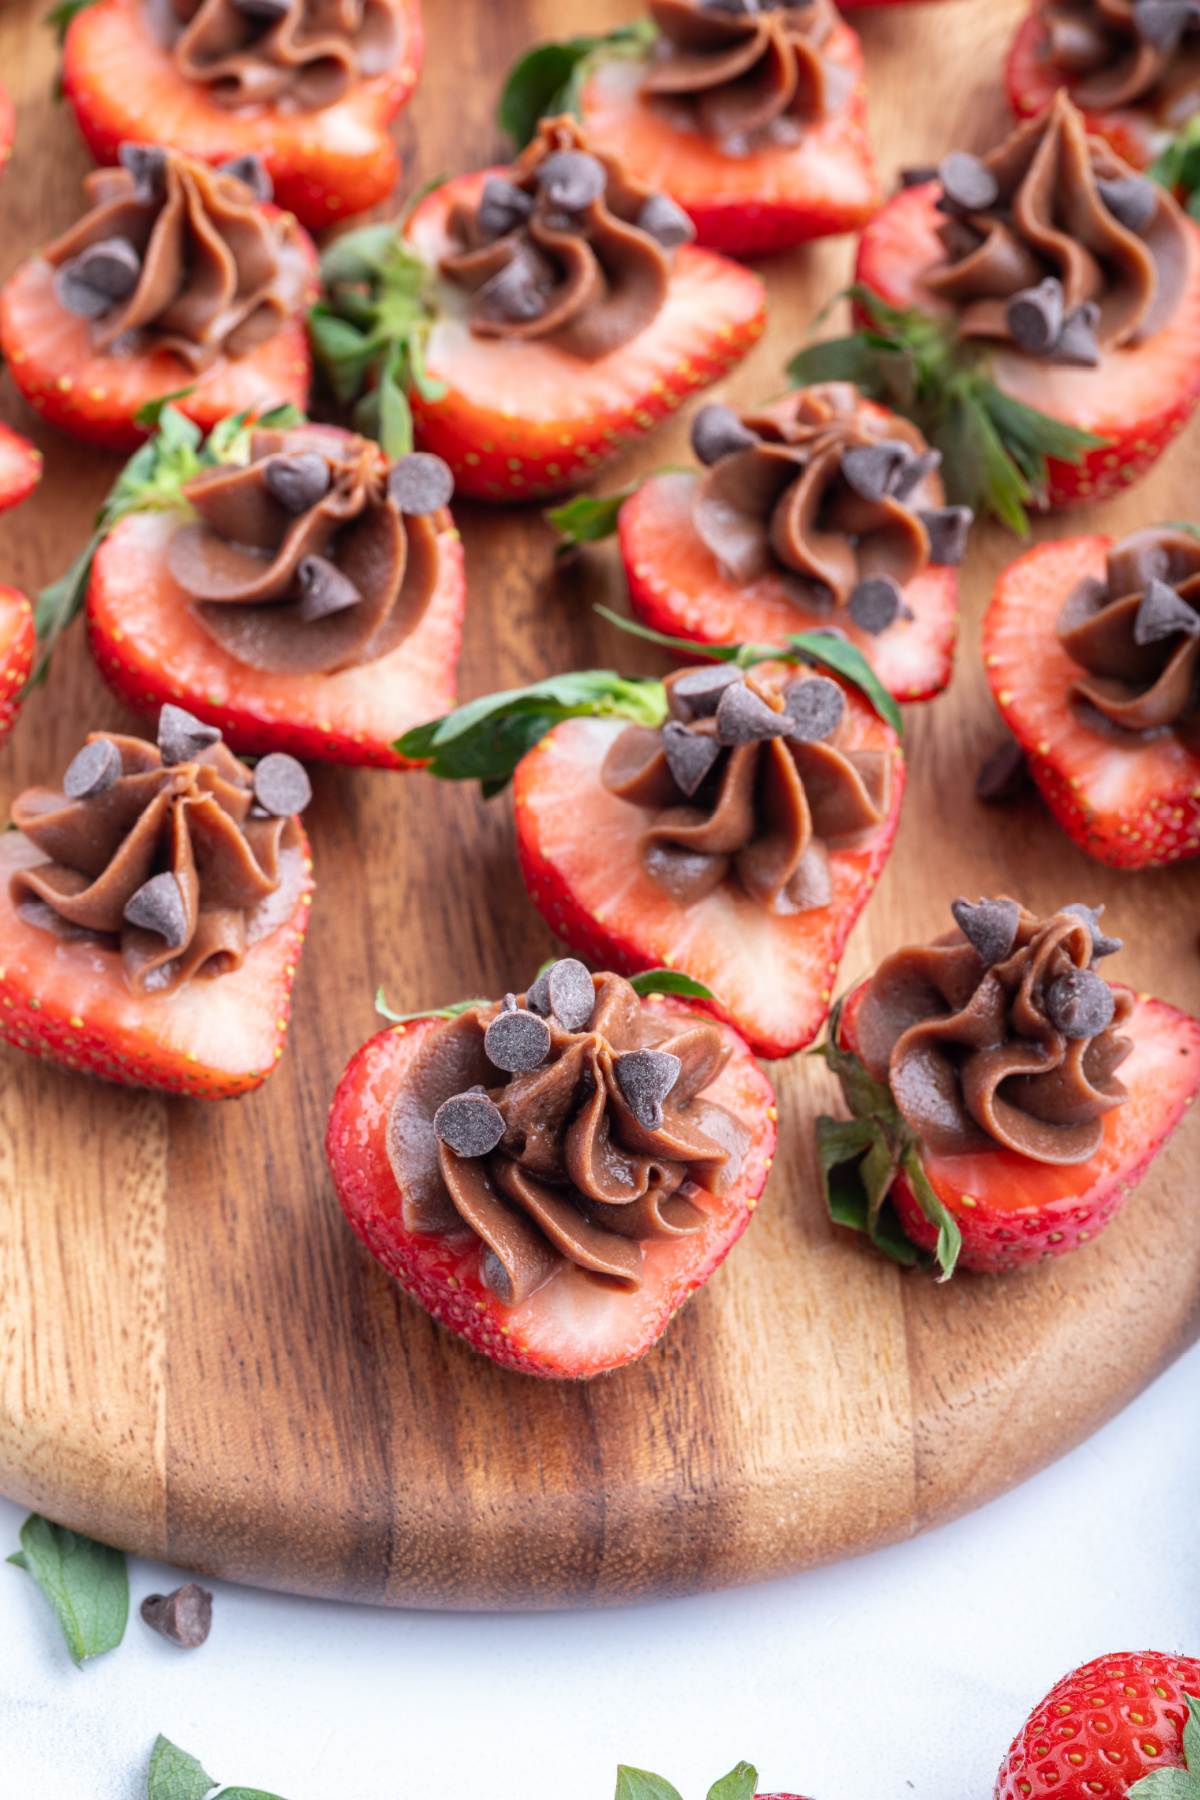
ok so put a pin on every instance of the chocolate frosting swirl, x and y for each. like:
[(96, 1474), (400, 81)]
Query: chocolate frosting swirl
[(829, 498), (583, 1167), (991, 1047), (302, 54), (303, 560), (746, 69), (569, 249), (175, 255), (1126, 53), (170, 862), (1037, 254), (1137, 633), (746, 783)]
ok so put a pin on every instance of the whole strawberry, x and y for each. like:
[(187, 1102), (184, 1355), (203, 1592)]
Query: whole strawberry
[(1119, 1726)]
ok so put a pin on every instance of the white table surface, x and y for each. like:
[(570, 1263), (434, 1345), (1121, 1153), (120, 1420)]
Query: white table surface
[(900, 1676)]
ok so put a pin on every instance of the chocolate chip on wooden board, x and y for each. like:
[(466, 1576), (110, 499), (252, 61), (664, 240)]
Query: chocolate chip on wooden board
[(184, 1615)]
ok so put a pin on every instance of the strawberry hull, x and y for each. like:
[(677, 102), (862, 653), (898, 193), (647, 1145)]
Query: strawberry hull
[(151, 649), (677, 586), (325, 165), (572, 1327), (772, 976), (17, 644), (766, 201), (1138, 399), (69, 1002), (1133, 807), (1031, 85), (1012, 1210), (524, 420)]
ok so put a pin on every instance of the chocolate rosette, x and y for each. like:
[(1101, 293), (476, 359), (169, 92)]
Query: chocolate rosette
[(845, 508), (1055, 246), (175, 255), (299, 54), (170, 853), (1001, 1035), (1137, 634), (746, 72), (566, 249), (316, 554), (564, 1126), (746, 782), (1116, 53)]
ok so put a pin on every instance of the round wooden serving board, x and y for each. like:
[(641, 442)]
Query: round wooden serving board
[(198, 1361)]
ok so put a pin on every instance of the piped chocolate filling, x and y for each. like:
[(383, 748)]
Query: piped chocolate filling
[(1116, 53), (299, 55)]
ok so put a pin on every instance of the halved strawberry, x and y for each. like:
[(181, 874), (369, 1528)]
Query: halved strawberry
[(522, 419), (326, 165), (772, 975), (1031, 82), (572, 1327), (1137, 400), (20, 467), (1135, 806), (769, 199), (17, 642), (96, 397), (1012, 1210), (151, 649)]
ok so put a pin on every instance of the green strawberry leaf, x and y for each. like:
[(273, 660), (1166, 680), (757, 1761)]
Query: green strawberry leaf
[(174, 1775), (85, 1582), (587, 519), (60, 17), (431, 1012), (485, 739), (949, 1242), (637, 1784), (368, 330), (547, 79), (739, 1784), (669, 981), (857, 1166), (1176, 1784), (1177, 168)]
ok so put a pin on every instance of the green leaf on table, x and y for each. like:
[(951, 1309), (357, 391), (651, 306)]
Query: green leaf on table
[(739, 1784), (430, 1012), (240, 1793), (546, 80), (174, 1775), (638, 1784), (1176, 1784), (669, 981), (85, 1582)]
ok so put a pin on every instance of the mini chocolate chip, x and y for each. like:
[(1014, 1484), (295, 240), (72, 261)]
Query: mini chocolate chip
[(1162, 23), (918, 176), (420, 483), (268, 10), (323, 589), (78, 297), (1101, 945), (297, 482), (1080, 1004), (111, 266), (471, 1124), (1035, 316), (184, 1615), (645, 1078), (665, 220), (1077, 346), (948, 528), (516, 1039), (914, 472), (513, 292), (815, 707), (158, 906), (878, 602), (252, 172), (571, 179), (967, 182), (690, 754), (990, 926), (742, 718), (1131, 199), (1004, 775), (503, 206), (182, 737), (571, 993), (872, 469), (701, 689), (717, 432), (281, 785), (147, 163), (92, 770), (1163, 613)]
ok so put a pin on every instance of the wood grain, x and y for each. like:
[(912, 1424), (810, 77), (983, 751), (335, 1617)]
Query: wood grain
[(199, 1361)]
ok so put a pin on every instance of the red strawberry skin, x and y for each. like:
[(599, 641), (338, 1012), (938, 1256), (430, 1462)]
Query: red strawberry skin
[(1011, 1210), (754, 205), (525, 421), (1133, 808), (20, 468), (569, 1329), (1137, 399), (325, 165), (151, 649), (214, 1039), (1102, 1728), (95, 397), (1031, 85), (773, 977), (17, 644), (8, 126)]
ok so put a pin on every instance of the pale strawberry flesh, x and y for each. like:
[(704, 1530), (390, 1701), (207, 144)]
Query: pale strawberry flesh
[(20, 467)]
